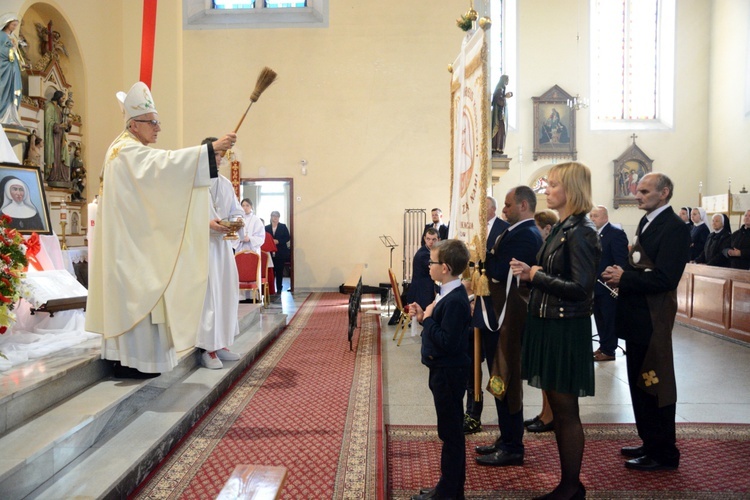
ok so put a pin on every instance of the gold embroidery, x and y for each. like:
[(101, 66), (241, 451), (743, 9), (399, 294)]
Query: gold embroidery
[(650, 378), (115, 152)]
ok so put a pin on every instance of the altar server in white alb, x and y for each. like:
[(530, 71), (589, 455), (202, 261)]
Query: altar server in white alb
[(148, 268), (219, 324)]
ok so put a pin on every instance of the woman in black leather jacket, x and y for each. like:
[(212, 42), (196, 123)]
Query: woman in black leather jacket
[(557, 354)]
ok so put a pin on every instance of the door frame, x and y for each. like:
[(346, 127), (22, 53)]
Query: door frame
[(290, 180)]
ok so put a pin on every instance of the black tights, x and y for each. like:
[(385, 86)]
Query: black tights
[(570, 441)]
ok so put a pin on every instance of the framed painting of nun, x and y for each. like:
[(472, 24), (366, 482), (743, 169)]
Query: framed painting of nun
[(23, 199)]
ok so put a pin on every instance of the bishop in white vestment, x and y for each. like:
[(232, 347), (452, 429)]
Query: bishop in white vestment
[(148, 266)]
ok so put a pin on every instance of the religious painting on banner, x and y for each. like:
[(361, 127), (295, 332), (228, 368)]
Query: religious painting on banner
[(470, 158)]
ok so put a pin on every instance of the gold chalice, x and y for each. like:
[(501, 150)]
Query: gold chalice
[(234, 226)]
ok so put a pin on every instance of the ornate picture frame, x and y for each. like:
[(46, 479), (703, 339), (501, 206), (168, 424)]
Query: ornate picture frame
[(554, 125), (629, 168), (27, 204)]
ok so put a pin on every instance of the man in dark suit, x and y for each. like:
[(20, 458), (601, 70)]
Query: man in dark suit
[(422, 287), (614, 252), (495, 225), (437, 224), (473, 416), (646, 308), (502, 347)]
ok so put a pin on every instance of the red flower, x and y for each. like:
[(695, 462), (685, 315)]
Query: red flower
[(7, 219), (3, 329)]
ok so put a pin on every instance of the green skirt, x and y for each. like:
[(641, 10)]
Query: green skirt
[(557, 355)]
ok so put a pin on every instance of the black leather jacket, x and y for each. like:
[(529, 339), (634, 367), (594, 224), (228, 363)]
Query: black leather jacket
[(564, 287)]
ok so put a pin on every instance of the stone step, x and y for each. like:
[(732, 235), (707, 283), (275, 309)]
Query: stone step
[(41, 454)]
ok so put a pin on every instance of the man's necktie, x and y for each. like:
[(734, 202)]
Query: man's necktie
[(641, 225)]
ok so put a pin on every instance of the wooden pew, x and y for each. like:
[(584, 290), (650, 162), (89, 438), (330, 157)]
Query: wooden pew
[(257, 482), (715, 299)]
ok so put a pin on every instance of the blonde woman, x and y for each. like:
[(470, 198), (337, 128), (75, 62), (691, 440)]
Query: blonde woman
[(557, 354)]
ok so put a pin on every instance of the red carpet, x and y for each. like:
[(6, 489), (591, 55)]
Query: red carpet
[(308, 404), (714, 464)]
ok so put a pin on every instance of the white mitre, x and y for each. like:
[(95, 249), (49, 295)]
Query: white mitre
[(138, 101)]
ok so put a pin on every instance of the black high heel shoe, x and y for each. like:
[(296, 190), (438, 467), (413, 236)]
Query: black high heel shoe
[(580, 494)]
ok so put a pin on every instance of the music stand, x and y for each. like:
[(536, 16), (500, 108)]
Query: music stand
[(389, 242)]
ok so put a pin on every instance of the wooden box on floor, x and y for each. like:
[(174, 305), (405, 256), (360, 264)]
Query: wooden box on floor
[(257, 482)]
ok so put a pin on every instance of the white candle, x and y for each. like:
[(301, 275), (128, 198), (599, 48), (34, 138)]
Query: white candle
[(63, 212), (92, 221)]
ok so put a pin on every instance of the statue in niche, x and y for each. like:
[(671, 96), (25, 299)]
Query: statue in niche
[(78, 175), (500, 114), (56, 155), (35, 151)]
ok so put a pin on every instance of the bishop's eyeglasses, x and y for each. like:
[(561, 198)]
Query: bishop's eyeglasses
[(154, 123)]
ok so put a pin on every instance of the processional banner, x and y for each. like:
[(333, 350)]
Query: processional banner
[(470, 154)]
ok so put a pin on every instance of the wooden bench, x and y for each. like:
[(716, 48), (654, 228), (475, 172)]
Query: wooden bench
[(257, 482)]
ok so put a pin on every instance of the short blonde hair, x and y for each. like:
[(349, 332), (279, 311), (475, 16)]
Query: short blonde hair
[(576, 181)]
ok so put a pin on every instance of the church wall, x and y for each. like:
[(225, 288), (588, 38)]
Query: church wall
[(365, 102), (729, 99), (548, 55), (372, 120)]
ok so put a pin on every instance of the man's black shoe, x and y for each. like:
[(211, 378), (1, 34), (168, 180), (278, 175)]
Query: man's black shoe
[(540, 426), (633, 451), (425, 494), (530, 421), (646, 463), (500, 459), (487, 449), (119, 371)]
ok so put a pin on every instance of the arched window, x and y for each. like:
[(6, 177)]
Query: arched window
[(540, 185), (244, 14)]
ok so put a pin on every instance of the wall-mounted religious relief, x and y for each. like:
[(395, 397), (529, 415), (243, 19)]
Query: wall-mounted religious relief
[(630, 167)]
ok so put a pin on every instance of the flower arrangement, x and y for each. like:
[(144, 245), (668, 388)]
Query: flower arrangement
[(12, 264)]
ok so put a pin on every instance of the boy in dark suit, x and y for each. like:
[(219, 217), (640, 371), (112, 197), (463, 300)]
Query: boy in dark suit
[(446, 327)]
